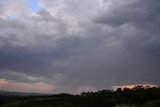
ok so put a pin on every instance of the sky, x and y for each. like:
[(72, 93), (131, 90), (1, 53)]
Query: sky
[(55, 46), (33, 5)]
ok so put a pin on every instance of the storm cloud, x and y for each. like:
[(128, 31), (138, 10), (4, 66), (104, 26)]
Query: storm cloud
[(73, 46)]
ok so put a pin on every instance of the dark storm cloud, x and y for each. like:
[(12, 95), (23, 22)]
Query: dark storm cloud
[(142, 16), (137, 12), (112, 43)]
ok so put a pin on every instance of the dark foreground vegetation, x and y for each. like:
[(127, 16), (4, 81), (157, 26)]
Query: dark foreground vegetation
[(139, 96)]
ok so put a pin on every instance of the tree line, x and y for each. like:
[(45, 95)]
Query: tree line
[(138, 96)]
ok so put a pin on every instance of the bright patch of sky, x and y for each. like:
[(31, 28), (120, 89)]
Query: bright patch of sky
[(33, 5)]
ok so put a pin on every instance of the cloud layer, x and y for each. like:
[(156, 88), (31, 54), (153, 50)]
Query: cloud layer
[(80, 45)]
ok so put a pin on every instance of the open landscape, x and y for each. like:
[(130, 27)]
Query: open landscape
[(79, 53), (138, 96)]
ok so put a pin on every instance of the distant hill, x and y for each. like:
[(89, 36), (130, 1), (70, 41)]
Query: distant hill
[(10, 93)]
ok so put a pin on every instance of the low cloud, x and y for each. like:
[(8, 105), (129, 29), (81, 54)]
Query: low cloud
[(26, 87)]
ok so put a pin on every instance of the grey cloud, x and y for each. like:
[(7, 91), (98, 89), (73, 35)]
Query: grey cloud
[(137, 21), (140, 13), (19, 77), (112, 43), (1, 5), (109, 66)]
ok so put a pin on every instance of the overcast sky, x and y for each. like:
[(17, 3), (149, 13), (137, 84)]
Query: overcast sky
[(54, 46)]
